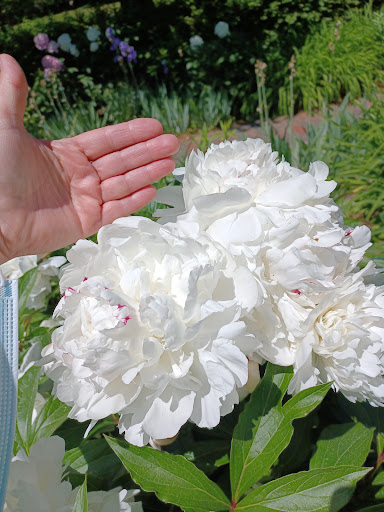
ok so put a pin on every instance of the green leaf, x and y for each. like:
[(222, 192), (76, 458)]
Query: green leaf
[(171, 477), (378, 483), (81, 503), (28, 385), (26, 283), (95, 458), (52, 415), (347, 444), (208, 455), (267, 395), (265, 427), (317, 490)]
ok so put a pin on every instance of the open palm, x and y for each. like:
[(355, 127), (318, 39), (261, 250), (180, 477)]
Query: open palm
[(55, 192)]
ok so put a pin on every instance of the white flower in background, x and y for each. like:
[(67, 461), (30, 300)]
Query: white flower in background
[(17, 267), (222, 29), (93, 34), (195, 42), (341, 339), (35, 484), (94, 46), (152, 331), (73, 50), (46, 270), (64, 42)]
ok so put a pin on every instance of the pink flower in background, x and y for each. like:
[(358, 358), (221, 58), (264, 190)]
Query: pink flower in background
[(41, 41), (53, 47), (49, 62)]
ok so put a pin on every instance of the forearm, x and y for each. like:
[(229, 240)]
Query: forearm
[(8, 378)]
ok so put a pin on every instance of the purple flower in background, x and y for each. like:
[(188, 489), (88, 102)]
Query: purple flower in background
[(128, 51), (53, 47), (41, 41), (124, 48), (115, 44), (132, 56), (110, 33), (118, 58), (165, 67), (49, 74), (49, 62)]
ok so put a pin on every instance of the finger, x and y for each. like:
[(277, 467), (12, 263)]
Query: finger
[(13, 92), (100, 142), (113, 210), (135, 156), (125, 184)]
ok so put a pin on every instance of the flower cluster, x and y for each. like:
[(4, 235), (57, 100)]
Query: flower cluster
[(167, 322), (53, 65), (35, 484), (122, 49), (222, 29), (93, 36), (195, 42)]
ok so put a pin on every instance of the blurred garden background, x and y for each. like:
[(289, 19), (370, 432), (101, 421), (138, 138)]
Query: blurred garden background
[(216, 69)]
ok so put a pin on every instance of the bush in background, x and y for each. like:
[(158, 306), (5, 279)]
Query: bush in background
[(161, 30), (345, 56)]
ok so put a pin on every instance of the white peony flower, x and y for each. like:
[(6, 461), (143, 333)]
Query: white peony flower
[(94, 46), (195, 42), (93, 34), (272, 215), (17, 267), (46, 270), (158, 337), (341, 339), (35, 484), (64, 42), (222, 29)]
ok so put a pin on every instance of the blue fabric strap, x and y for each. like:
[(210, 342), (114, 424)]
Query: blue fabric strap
[(8, 379)]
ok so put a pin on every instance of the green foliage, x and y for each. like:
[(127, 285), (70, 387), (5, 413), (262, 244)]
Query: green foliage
[(342, 57), (50, 417), (319, 490), (259, 30), (263, 431), (27, 391), (342, 445), (173, 478), (26, 283), (14, 11), (93, 458), (81, 503)]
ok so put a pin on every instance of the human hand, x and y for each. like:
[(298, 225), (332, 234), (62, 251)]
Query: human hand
[(54, 192)]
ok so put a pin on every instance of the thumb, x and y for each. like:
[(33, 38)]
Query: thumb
[(13, 91)]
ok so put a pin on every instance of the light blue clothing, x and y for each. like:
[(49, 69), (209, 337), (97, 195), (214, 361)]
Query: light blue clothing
[(8, 379)]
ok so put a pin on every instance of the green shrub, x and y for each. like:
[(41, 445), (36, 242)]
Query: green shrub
[(15, 11), (160, 31), (343, 57)]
